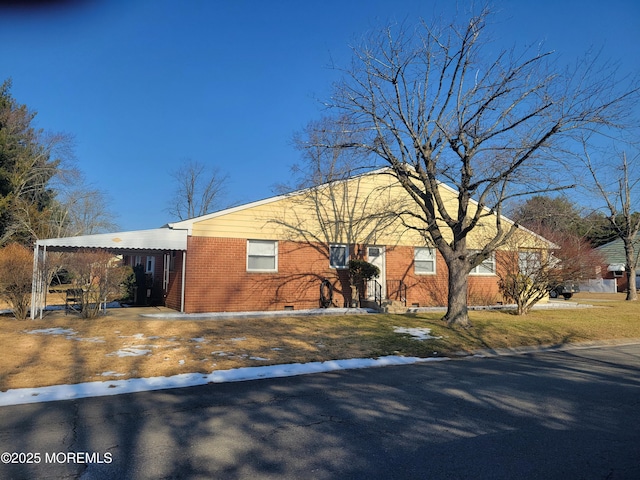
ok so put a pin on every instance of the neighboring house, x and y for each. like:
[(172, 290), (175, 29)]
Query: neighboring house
[(616, 261), (292, 251)]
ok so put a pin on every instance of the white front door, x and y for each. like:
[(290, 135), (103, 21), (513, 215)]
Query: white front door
[(376, 256)]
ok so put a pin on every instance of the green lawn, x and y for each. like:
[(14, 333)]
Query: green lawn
[(604, 320)]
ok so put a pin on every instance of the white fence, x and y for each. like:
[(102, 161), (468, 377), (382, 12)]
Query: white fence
[(600, 285)]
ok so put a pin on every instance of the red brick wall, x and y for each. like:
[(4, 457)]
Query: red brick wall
[(431, 290), (217, 279), (173, 293)]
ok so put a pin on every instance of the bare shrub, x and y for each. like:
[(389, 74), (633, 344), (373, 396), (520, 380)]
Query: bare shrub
[(527, 275), (99, 276), (16, 271)]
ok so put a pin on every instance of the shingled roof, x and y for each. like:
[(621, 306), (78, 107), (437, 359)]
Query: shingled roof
[(614, 254)]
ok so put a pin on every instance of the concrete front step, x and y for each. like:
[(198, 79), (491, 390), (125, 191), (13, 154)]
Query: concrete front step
[(393, 306)]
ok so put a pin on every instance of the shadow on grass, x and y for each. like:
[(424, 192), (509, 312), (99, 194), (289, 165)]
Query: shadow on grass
[(489, 330), (525, 417)]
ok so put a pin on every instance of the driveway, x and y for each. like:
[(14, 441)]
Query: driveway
[(552, 415)]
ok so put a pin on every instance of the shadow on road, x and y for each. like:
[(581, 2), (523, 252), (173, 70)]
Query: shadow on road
[(552, 415)]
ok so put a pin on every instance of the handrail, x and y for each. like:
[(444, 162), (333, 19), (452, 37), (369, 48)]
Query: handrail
[(403, 293), (374, 285), (397, 290)]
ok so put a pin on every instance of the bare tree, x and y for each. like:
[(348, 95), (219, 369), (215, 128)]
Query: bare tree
[(198, 191), (39, 194), (78, 211), (619, 187), (328, 183), (437, 103), (73, 211), (334, 201), (84, 211)]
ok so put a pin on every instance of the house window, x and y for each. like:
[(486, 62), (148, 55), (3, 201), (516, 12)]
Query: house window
[(150, 266), (487, 267), (424, 260), (338, 256), (529, 263), (262, 256)]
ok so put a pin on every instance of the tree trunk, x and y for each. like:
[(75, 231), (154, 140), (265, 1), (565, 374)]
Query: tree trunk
[(457, 312), (632, 293)]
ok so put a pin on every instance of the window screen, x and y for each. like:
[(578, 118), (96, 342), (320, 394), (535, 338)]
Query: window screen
[(424, 260), (262, 255)]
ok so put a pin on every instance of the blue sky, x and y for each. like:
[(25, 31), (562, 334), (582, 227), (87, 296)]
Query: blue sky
[(143, 85)]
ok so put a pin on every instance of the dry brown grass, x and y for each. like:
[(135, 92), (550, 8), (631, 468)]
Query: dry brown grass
[(87, 349), (87, 352)]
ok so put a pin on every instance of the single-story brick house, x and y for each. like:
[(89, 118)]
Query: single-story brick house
[(616, 261), (292, 251)]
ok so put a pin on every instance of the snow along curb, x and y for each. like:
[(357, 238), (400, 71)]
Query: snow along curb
[(117, 387)]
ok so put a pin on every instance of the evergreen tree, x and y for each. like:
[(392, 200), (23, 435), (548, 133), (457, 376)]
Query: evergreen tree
[(550, 214), (28, 163)]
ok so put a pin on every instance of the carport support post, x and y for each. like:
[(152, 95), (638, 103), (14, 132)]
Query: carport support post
[(37, 281), (184, 269)]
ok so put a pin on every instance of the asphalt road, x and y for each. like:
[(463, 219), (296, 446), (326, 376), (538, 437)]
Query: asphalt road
[(550, 415)]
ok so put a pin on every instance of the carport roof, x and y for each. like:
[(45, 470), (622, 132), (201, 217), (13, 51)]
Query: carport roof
[(154, 239)]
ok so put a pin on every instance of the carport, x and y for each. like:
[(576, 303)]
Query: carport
[(157, 241)]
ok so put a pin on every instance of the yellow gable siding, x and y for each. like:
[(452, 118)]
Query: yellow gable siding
[(297, 217)]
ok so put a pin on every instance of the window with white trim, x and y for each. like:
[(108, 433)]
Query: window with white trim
[(487, 267), (262, 256), (338, 256), (529, 263), (424, 260)]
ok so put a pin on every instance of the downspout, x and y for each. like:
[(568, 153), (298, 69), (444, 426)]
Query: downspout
[(184, 269)]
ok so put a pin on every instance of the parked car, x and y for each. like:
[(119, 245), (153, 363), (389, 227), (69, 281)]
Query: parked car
[(565, 290)]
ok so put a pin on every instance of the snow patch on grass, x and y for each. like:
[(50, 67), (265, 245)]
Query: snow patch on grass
[(416, 333), (90, 339), (67, 332), (129, 352), (53, 331)]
